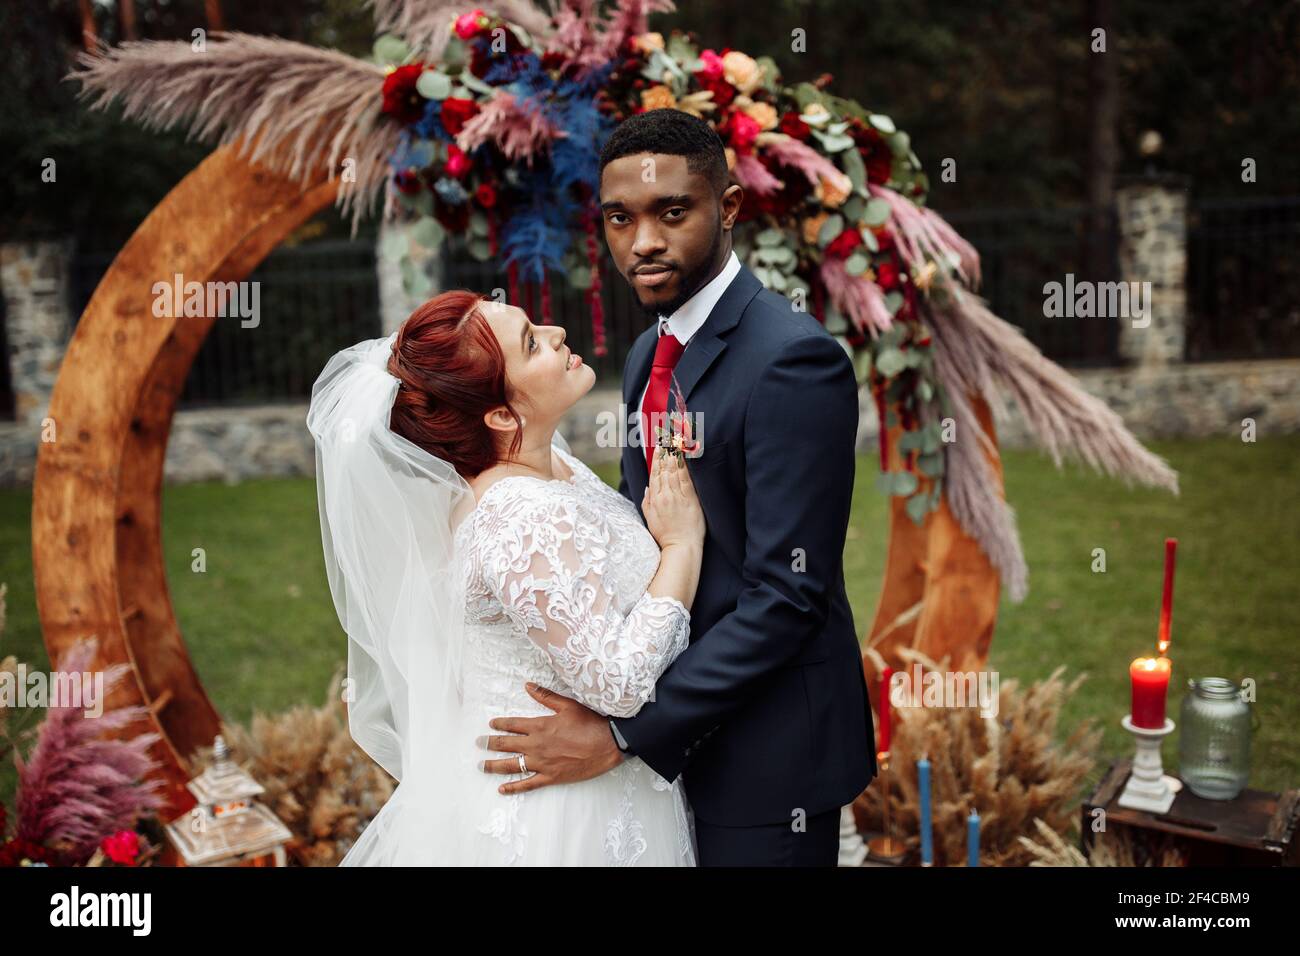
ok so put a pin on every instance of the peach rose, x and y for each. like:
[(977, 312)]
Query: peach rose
[(763, 113), (741, 71), (647, 42)]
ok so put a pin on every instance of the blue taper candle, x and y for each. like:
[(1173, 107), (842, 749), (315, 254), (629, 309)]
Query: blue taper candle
[(973, 838), (927, 837)]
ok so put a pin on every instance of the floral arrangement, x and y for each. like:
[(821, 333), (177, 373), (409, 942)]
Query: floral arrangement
[(484, 126), (499, 154), (80, 795)]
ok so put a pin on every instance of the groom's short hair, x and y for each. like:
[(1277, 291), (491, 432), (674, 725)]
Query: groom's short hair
[(674, 133)]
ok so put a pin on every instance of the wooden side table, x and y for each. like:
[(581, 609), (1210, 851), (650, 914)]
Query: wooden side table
[(1256, 829)]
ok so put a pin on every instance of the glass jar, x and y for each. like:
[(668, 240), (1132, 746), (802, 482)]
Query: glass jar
[(1214, 739)]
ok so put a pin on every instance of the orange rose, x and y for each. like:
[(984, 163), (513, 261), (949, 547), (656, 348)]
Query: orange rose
[(813, 225), (658, 97), (833, 192)]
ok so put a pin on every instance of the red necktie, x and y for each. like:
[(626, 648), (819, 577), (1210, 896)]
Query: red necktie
[(667, 351)]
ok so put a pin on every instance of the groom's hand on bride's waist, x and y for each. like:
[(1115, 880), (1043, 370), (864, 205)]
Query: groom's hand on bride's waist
[(573, 744)]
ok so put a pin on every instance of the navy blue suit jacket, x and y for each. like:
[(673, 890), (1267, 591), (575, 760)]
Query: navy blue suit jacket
[(765, 713)]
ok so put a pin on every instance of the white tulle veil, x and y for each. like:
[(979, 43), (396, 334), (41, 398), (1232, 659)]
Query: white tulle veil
[(388, 513)]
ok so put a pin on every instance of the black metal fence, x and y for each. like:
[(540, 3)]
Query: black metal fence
[(1243, 278), (624, 320), (312, 300), (1243, 282), (1021, 250)]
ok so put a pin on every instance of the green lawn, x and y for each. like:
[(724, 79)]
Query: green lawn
[(262, 630)]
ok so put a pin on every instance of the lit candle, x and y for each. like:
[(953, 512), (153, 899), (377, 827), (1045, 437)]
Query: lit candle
[(1167, 598), (973, 838), (884, 710), (1150, 676), (923, 785)]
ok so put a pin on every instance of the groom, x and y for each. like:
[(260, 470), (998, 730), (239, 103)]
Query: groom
[(765, 713)]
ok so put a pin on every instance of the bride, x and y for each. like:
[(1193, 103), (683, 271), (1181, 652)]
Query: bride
[(468, 552)]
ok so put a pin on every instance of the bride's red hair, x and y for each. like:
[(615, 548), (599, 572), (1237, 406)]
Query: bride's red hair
[(452, 372)]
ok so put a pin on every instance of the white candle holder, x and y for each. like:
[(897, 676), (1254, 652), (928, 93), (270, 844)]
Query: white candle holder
[(1147, 788)]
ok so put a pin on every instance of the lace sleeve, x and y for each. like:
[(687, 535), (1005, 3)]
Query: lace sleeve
[(547, 563)]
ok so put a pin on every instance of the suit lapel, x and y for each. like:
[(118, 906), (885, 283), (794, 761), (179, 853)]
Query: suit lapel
[(703, 351), (708, 343)]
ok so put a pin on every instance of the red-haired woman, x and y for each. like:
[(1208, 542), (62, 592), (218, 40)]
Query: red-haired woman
[(469, 555)]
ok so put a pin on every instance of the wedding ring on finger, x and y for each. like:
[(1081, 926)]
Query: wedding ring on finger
[(523, 765)]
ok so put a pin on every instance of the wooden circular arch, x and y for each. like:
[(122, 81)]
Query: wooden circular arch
[(96, 499), (97, 502)]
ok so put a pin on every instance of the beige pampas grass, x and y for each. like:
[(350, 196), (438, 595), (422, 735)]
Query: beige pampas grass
[(296, 109), (1110, 848), (318, 781), (977, 353), (1009, 767)]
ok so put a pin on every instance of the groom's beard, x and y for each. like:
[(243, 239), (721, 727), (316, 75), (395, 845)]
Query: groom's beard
[(692, 282)]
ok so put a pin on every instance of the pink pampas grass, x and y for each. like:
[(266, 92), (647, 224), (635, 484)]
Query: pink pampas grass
[(76, 787), (790, 152), (754, 176), (861, 300), (921, 232), (519, 133)]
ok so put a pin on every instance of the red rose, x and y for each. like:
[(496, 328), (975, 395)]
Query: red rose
[(723, 92), (455, 113), (844, 243), (711, 66), (401, 99), (453, 218), (742, 129), (884, 239), (486, 195), (793, 126), (122, 847), (470, 25), (407, 181), (887, 276), (875, 151), (458, 164)]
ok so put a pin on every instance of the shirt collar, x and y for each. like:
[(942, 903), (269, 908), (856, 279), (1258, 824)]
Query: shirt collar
[(688, 318)]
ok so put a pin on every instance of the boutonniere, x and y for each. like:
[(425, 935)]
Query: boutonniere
[(677, 437)]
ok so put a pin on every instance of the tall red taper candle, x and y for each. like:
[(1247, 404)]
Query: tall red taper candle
[(885, 676), (1167, 600)]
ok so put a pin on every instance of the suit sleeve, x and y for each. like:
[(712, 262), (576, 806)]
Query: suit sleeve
[(800, 431)]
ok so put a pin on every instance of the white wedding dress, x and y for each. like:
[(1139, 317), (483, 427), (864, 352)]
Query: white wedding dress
[(555, 586)]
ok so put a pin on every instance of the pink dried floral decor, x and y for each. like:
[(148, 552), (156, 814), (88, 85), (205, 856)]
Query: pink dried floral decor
[(77, 787)]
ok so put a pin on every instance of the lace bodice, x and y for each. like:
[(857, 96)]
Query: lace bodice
[(556, 575), (559, 569)]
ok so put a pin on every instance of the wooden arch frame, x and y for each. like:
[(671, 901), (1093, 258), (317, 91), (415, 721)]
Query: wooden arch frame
[(97, 495), (97, 502)]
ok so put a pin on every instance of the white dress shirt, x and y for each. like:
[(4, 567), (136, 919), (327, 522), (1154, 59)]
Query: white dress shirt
[(686, 321)]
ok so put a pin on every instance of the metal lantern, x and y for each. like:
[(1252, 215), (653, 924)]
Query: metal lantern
[(227, 827)]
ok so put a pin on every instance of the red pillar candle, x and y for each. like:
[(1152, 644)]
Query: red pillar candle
[(1150, 676), (885, 677), (1167, 599)]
